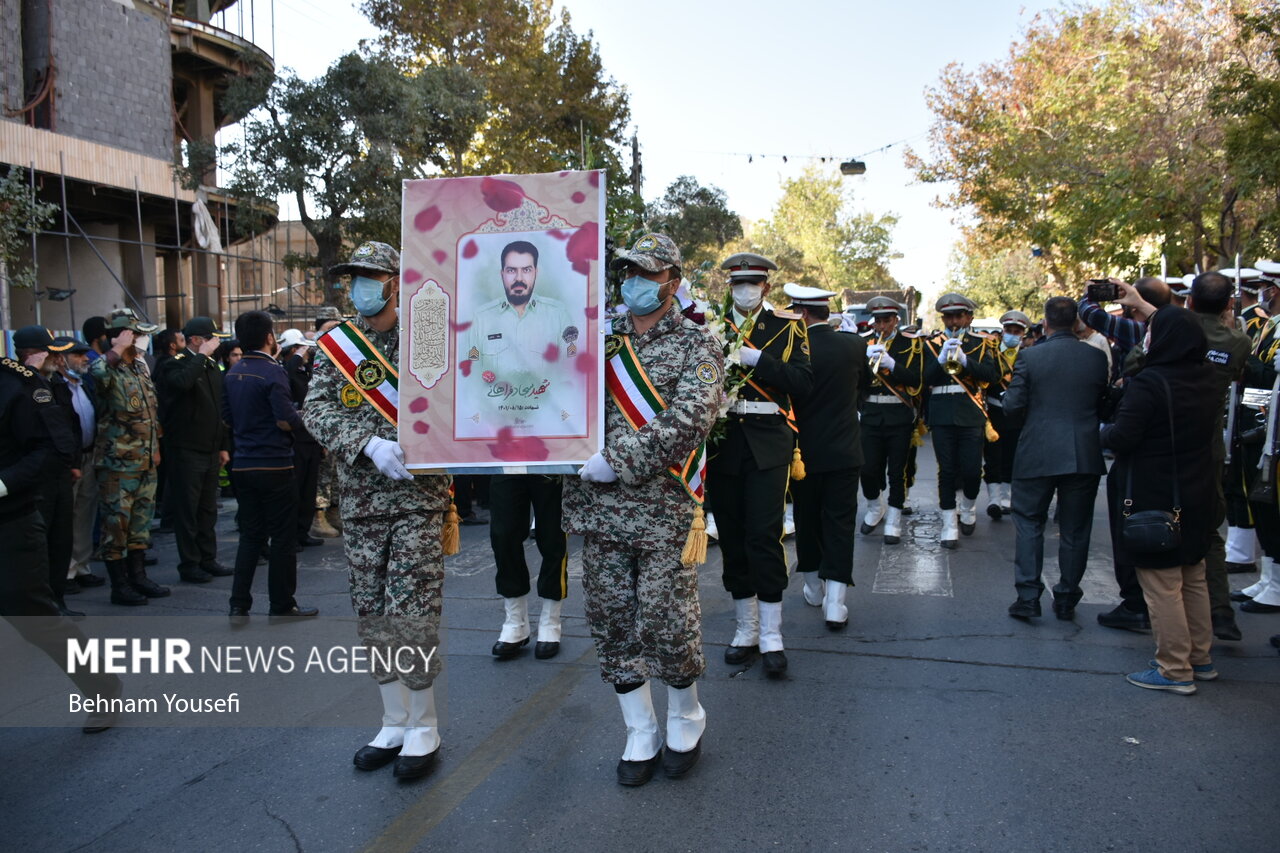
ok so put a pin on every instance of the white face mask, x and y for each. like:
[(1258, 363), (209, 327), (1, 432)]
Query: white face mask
[(142, 342), (747, 297)]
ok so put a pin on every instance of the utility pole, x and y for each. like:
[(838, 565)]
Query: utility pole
[(636, 168)]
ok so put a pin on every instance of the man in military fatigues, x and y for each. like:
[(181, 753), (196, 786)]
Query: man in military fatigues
[(889, 415), (127, 456), (750, 462), (961, 366), (326, 518), (998, 454), (392, 522), (634, 515)]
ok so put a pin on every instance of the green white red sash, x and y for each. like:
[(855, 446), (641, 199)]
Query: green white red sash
[(365, 368), (630, 389)]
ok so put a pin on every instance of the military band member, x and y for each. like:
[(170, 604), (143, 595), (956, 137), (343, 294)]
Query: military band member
[(1254, 315), (392, 521), (827, 498), (889, 415), (998, 454), (751, 462), (961, 366), (635, 504)]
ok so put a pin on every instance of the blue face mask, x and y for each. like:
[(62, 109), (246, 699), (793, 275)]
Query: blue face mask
[(641, 295), (366, 295), (1010, 341)]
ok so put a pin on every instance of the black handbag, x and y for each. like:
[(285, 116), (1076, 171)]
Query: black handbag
[(1153, 531)]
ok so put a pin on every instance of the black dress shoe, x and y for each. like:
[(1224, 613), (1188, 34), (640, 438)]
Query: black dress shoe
[(993, 512), (293, 614), (71, 588), (503, 650), (949, 544), (1025, 608), (1123, 617), (635, 773), (1237, 595), (739, 654), (239, 617), (908, 510), (309, 541), (676, 764), (775, 664), (90, 580), (373, 757), (546, 650), (196, 575), (150, 560), (1225, 628), (1065, 612), (218, 570), (837, 626), (1241, 568), (868, 528), (73, 615), (414, 766), (1259, 607), (967, 529)]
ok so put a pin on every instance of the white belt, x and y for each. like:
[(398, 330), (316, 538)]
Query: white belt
[(745, 407), (948, 389), (884, 398)]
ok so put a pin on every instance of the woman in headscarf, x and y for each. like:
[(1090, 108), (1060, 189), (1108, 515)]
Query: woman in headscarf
[(1155, 449)]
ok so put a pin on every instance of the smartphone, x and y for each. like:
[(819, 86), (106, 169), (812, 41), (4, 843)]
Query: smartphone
[(1101, 290)]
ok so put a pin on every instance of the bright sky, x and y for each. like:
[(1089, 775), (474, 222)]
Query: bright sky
[(714, 81)]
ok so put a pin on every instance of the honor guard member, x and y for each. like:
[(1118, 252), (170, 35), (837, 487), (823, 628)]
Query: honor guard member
[(961, 366), (636, 504), (197, 443), (827, 497), (127, 456), (392, 521), (889, 414), (751, 461), (998, 454), (1252, 315)]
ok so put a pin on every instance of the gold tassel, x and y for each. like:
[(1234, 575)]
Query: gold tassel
[(695, 547), (450, 538), (797, 465), (992, 435)]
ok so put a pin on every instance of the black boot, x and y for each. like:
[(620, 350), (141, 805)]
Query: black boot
[(121, 591), (138, 576)]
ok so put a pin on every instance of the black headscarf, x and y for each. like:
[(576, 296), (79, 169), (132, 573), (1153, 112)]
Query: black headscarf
[(1176, 337)]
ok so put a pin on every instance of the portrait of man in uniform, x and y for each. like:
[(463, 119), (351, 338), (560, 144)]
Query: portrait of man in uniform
[(518, 335)]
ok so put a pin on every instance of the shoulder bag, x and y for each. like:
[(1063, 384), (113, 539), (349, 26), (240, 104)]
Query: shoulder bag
[(1153, 531)]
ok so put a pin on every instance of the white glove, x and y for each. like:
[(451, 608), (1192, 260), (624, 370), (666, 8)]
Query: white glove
[(1276, 361), (952, 351), (388, 457), (751, 357), (886, 360), (597, 470)]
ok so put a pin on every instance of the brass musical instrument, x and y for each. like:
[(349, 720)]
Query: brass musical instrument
[(874, 361), (952, 365)]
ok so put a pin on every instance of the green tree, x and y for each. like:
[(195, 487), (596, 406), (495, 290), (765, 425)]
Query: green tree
[(698, 218), (1000, 279), (21, 215)]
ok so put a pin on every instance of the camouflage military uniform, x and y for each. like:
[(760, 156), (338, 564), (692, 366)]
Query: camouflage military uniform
[(391, 528), (641, 603), (128, 438)]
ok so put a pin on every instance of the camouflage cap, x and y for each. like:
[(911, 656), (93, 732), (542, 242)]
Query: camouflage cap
[(124, 318), (369, 257), (652, 252), (328, 312)]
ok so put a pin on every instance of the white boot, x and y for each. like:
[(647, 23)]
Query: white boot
[(1242, 545), (395, 714), (748, 615), (833, 607), (1264, 580), (892, 526), (422, 732), (967, 508), (1006, 497), (549, 621), (788, 521), (993, 500), (712, 531), (950, 529), (875, 514), (1270, 591), (515, 628), (770, 626), (643, 738), (686, 719), (812, 589)]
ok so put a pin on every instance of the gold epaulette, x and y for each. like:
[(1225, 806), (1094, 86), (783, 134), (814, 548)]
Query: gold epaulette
[(20, 369), (786, 315)]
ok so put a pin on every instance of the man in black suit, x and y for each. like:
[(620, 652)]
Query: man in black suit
[(1058, 391), (830, 443), (750, 462)]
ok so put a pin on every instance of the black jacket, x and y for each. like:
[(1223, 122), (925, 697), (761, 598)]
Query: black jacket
[(908, 355), (190, 388), (34, 437), (982, 369), (297, 368), (828, 413)]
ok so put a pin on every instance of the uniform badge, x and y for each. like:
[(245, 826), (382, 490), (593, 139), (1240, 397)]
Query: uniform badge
[(707, 373), (135, 402), (350, 397), (612, 345), (370, 374), (570, 337), (42, 395), (804, 347), (473, 354)]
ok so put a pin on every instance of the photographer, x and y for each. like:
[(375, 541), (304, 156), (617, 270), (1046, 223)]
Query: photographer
[(1140, 300)]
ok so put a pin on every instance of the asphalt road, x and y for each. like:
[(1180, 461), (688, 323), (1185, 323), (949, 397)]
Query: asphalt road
[(934, 723)]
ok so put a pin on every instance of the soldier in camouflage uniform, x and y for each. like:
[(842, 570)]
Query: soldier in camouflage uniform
[(641, 601), (391, 523), (127, 455), (327, 525)]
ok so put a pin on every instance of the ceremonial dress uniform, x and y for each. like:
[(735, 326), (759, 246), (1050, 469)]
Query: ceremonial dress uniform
[(128, 444), (957, 419), (749, 468), (998, 454), (888, 424), (1260, 373)]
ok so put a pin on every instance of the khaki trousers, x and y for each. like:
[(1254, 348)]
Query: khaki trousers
[(1178, 601), (84, 501)]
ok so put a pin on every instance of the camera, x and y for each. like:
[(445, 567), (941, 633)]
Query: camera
[(1101, 290)]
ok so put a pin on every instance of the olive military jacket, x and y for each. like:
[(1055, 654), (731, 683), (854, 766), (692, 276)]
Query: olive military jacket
[(128, 425)]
